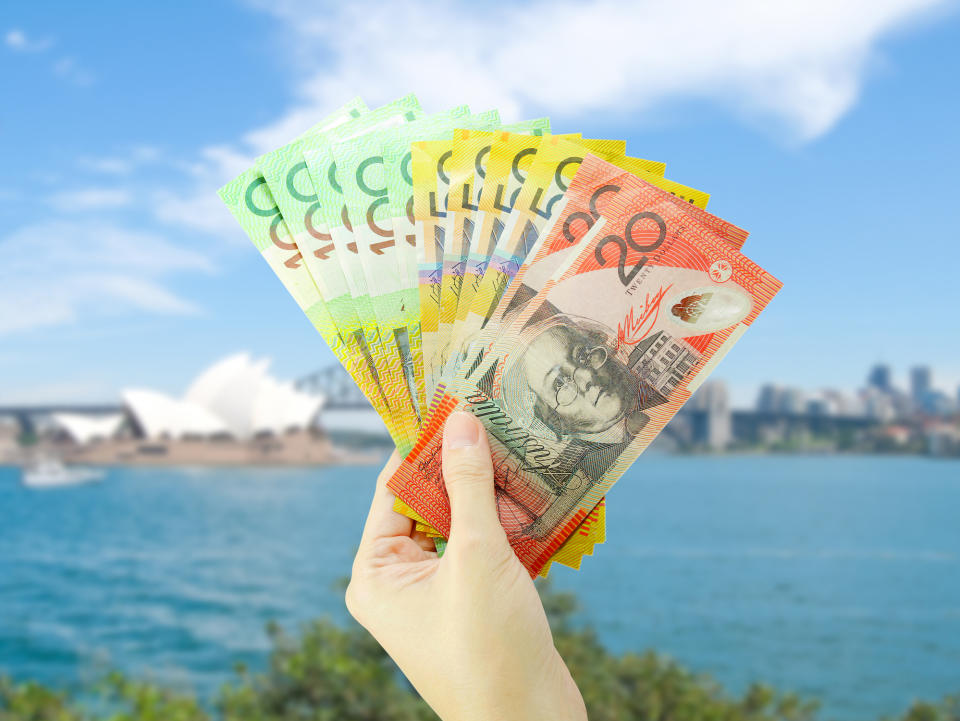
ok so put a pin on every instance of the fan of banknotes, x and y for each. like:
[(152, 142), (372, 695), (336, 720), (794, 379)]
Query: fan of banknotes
[(566, 293)]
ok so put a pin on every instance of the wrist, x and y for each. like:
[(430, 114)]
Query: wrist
[(547, 694)]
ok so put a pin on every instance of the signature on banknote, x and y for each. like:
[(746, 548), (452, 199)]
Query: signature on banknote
[(641, 318)]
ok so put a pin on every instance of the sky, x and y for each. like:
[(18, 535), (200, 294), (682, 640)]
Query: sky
[(829, 132)]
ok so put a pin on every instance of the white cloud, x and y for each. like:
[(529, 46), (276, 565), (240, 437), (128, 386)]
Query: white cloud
[(121, 164), (203, 210), (65, 68), (108, 165), (196, 205), (18, 41), (80, 199), (801, 64), (71, 71), (797, 67), (56, 272)]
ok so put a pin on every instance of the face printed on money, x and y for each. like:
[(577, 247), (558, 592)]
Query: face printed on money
[(573, 380)]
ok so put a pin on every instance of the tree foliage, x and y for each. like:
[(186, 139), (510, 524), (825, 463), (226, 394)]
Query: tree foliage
[(330, 673)]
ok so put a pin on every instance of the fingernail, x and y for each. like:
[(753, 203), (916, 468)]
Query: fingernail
[(461, 430)]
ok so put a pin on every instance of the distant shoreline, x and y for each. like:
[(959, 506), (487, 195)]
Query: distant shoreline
[(376, 456), (297, 448)]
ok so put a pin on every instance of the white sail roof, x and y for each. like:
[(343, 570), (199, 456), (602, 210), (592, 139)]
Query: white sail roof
[(278, 407), (160, 415), (229, 388), (235, 396), (86, 428)]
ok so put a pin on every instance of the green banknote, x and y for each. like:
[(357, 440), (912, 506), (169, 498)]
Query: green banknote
[(391, 285), (251, 203), (286, 174), (391, 359)]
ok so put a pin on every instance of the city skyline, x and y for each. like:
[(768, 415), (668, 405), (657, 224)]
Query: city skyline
[(880, 376), (145, 278)]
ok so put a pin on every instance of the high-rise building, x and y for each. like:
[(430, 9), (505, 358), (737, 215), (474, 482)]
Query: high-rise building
[(878, 405), (921, 383), (769, 398), (781, 399), (793, 401), (716, 429), (880, 378)]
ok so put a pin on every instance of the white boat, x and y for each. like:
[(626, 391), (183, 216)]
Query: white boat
[(53, 474)]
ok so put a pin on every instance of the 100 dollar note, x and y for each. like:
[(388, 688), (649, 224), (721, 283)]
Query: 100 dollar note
[(285, 173), (251, 203), (390, 350)]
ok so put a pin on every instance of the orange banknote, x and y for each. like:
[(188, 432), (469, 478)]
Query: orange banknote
[(581, 378)]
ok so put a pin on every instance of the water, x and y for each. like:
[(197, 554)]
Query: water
[(835, 577)]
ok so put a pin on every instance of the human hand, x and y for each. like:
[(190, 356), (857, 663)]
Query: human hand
[(468, 630)]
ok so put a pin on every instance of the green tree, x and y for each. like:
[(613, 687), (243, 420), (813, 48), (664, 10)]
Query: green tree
[(330, 673)]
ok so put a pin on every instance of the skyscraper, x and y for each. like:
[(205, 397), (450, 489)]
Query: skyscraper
[(716, 430), (769, 398), (879, 378), (921, 383)]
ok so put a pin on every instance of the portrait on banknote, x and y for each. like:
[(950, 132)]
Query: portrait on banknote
[(565, 403), (567, 381)]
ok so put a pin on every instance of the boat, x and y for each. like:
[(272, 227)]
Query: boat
[(51, 473)]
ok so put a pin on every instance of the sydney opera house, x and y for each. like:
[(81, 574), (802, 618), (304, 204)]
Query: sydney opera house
[(235, 412)]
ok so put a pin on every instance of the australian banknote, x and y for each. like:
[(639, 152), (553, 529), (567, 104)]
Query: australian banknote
[(286, 173), (520, 291), (549, 177), (464, 175), (252, 204), (258, 211), (574, 389), (398, 177), (523, 215), (465, 171), (388, 348), (361, 173), (510, 162), (325, 212)]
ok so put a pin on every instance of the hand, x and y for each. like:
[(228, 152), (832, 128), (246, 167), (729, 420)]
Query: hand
[(468, 629)]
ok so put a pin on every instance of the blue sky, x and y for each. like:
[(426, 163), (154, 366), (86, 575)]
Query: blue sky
[(830, 133)]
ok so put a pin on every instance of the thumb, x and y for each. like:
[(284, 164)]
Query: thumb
[(468, 476)]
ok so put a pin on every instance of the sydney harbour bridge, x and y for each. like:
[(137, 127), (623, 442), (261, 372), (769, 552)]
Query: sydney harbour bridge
[(339, 390)]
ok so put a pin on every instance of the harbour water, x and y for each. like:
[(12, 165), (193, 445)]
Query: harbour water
[(838, 577)]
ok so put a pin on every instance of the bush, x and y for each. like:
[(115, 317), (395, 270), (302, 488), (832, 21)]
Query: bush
[(331, 673)]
